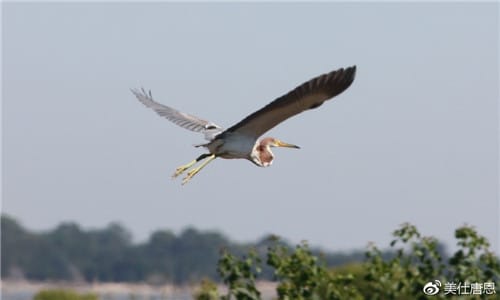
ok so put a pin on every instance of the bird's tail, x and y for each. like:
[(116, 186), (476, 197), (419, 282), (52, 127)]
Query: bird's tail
[(201, 145)]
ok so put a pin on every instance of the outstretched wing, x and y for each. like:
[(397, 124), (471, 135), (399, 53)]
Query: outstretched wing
[(308, 95), (182, 119)]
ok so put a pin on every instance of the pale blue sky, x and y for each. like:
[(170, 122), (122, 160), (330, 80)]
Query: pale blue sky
[(415, 138)]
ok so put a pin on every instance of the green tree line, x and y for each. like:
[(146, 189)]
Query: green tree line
[(69, 252)]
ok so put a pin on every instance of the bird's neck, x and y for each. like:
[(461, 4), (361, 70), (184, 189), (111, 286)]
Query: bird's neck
[(265, 155)]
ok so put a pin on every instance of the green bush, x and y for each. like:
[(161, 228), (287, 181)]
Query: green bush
[(416, 263), (239, 275), (207, 291), (60, 294), (302, 276)]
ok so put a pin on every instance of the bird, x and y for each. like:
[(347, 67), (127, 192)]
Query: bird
[(242, 140)]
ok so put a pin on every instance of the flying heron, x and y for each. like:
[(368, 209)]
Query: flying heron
[(242, 140)]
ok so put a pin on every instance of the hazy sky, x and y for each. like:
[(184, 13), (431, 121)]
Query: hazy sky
[(414, 139)]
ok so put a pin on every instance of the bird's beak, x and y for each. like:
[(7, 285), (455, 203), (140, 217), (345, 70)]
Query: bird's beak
[(283, 144)]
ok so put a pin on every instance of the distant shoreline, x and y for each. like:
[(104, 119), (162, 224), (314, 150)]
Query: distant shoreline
[(95, 287), (143, 290)]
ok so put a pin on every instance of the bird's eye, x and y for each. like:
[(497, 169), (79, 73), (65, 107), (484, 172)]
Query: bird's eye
[(210, 127)]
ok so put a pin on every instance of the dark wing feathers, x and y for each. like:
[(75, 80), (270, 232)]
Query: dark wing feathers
[(308, 95)]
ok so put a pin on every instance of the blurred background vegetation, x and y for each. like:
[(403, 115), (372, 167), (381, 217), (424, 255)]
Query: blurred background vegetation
[(225, 270), (108, 254), (62, 294)]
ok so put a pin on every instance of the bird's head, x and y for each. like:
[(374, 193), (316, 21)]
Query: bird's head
[(262, 155)]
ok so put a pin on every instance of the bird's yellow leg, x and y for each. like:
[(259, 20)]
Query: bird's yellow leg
[(195, 171), (183, 168)]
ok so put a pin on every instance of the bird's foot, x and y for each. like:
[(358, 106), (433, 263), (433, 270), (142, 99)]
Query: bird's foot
[(179, 171), (194, 171), (189, 175), (183, 168)]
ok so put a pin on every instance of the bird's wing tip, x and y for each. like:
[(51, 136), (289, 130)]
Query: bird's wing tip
[(351, 71), (141, 92)]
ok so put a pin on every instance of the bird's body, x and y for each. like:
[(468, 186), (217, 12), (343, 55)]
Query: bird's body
[(233, 145), (242, 140), (230, 145)]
